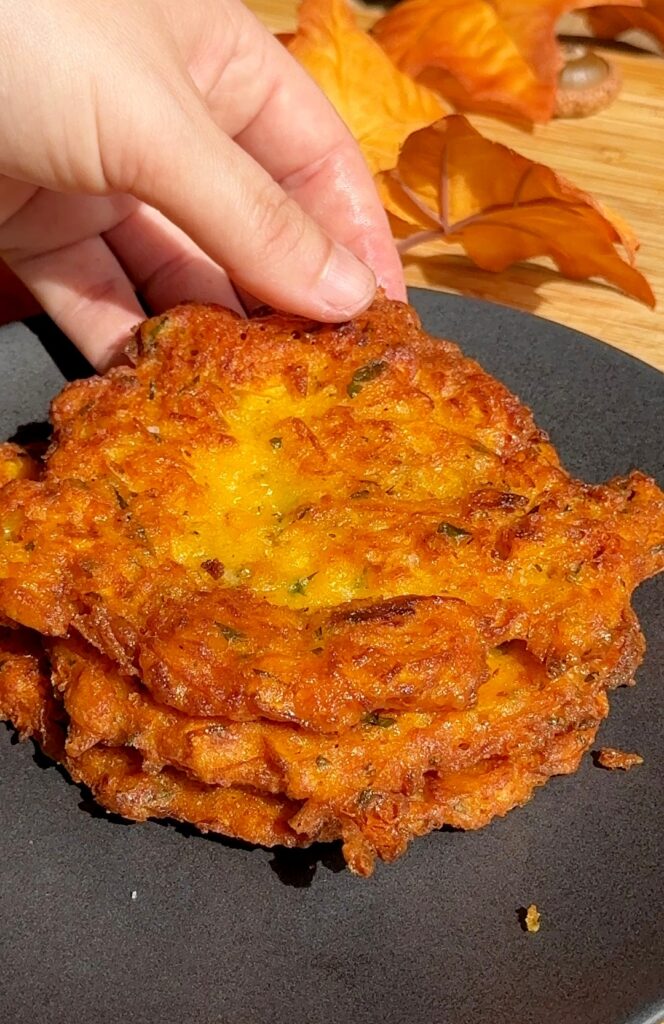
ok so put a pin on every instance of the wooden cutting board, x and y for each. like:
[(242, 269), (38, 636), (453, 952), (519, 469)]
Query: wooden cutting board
[(618, 156)]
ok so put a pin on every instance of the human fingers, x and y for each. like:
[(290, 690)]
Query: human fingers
[(276, 113), (165, 266), (51, 243), (16, 302), (233, 209), (86, 292)]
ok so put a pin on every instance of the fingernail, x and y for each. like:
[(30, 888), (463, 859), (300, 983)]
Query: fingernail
[(347, 287)]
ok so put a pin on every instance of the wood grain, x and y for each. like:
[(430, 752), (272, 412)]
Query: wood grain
[(618, 156)]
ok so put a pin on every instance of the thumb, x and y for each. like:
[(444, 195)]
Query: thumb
[(231, 207)]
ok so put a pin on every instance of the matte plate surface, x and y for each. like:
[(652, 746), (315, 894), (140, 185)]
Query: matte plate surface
[(221, 933)]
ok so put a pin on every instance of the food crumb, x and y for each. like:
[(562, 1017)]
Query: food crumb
[(609, 757), (531, 918), (134, 894)]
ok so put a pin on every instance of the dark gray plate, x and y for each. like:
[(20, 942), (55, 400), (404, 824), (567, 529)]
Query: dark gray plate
[(220, 933)]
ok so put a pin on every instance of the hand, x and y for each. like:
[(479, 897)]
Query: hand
[(147, 145)]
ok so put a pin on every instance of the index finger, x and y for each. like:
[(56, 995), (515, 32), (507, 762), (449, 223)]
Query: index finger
[(288, 126)]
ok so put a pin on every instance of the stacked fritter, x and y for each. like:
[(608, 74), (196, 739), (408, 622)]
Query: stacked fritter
[(295, 582)]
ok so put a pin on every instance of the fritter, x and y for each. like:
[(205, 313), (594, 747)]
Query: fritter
[(412, 761), (16, 464), (279, 519), (26, 695), (518, 708), (116, 776), (296, 582), (373, 823)]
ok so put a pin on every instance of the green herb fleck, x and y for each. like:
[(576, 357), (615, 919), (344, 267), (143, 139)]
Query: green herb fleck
[(300, 586), (454, 532), (122, 502), (276, 443), (229, 633), (374, 718), (363, 375), (149, 338), (322, 762), (574, 571), (361, 581), (158, 327), (365, 798), (163, 788)]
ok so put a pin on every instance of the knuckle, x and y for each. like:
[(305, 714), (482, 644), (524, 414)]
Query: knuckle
[(169, 271), (90, 296), (104, 290), (281, 226)]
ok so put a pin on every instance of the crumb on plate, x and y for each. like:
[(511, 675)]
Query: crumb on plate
[(532, 918), (609, 757)]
